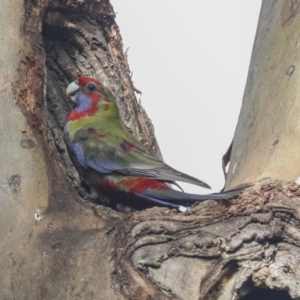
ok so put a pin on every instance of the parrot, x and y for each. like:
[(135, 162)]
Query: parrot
[(113, 163)]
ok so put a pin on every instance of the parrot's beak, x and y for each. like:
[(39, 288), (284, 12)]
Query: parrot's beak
[(72, 90)]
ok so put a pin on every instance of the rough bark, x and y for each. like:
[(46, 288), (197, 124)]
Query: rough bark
[(56, 244)]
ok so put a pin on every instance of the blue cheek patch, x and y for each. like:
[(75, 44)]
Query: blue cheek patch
[(83, 102)]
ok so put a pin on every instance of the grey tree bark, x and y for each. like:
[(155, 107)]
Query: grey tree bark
[(56, 244)]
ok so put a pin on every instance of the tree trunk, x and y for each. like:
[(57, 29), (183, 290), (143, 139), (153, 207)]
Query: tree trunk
[(56, 244), (267, 142)]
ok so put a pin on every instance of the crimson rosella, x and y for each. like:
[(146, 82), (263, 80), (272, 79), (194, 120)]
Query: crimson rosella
[(113, 162)]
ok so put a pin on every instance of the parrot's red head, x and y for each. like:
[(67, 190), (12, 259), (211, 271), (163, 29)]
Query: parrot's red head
[(88, 95)]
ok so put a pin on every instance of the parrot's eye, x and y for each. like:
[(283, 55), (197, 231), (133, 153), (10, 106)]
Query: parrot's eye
[(91, 87)]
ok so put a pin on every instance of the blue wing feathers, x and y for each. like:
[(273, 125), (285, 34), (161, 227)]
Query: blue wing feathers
[(78, 151), (102, 166)]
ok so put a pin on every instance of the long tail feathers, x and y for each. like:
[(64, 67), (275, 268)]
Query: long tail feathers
[(177, 199)]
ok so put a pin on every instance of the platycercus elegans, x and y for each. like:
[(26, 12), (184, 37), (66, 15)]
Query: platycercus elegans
[(112, 161)]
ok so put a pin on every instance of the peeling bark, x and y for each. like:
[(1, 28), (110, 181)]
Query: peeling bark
[(56, 244)]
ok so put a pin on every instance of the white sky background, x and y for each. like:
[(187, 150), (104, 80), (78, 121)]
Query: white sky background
[(190, 59)]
